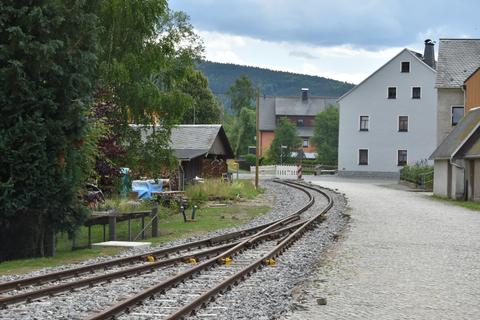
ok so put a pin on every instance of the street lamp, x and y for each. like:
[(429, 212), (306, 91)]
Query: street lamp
[(282, 147)]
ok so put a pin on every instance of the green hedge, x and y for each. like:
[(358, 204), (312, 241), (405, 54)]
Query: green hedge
[(420, 174)]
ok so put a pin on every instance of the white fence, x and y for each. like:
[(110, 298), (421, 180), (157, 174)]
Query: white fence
[(286, 172), (270, 170), (283, 172)]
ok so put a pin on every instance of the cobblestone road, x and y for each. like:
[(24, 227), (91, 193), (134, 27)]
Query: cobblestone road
[(405, 256)]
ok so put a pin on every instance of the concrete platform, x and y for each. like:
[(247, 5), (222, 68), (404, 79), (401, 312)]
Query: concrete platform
[(122, 244)]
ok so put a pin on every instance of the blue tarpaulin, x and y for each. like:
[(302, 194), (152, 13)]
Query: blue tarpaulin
[(145, 188)]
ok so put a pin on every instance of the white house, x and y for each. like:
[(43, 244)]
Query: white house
[(389, 119)]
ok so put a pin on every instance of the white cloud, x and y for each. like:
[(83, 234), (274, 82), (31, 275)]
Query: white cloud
[(342, 62)]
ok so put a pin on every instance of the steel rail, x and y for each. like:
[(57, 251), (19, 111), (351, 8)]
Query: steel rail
[(202, 300), (75, 272), (137, 270), (131, 302)]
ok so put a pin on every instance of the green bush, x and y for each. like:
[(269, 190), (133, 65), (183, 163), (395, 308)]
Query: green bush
[(217, 188), (421, 174), (251, 159)]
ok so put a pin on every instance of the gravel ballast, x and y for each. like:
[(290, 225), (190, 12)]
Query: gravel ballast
[(79, 304)]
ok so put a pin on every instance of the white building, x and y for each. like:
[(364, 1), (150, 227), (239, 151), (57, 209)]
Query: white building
[(389, 119)]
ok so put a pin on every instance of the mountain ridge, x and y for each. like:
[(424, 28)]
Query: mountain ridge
[(271, 82)]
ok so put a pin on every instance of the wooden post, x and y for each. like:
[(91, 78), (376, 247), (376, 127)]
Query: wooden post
[(154, 217), (112, 224), (143, 227), (104, 232), (129, 229), (89, 236), (257, 148)]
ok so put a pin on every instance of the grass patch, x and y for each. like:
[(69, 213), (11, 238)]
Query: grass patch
[(472, 205), (171, 227), (216, 188)]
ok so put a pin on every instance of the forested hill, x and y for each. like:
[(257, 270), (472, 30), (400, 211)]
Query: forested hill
[(222, 75)]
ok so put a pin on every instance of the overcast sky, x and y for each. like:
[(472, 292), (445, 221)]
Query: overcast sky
[(340, 39)]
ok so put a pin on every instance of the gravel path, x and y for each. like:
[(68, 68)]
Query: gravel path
[(405, 257), (77, 304)]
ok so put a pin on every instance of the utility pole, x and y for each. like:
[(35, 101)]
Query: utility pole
[(257, 140)]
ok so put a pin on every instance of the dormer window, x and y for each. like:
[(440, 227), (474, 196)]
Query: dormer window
[(299, 122), (405, 67)]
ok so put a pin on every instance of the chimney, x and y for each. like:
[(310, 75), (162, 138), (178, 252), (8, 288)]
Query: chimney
[(304, 94), (429, 53)]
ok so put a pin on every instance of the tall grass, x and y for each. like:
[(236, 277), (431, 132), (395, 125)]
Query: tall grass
[(218, 189)]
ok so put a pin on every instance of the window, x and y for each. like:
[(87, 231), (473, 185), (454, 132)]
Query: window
[(405, 67), (363, 157), (403, 124), (392, 92), (416, 92), (402, 158), (299, 122), (305, 143), (363, 123), (457, 114)]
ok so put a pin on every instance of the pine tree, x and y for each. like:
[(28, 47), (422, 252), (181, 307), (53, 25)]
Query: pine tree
[(48, 58)]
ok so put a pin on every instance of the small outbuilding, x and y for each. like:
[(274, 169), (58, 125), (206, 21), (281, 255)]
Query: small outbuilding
[(202, 151), (457, 160)]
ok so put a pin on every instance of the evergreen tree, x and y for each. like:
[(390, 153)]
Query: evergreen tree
[(325, 137), (48, 54), (286, 136), (206, 108), (241, 94)]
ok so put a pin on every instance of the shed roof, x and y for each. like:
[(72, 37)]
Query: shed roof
[(457, 60), (191, 141), (458, 137)]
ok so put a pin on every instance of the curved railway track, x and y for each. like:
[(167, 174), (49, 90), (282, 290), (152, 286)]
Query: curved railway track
[(50, 284), (180, 288), (182, 294)]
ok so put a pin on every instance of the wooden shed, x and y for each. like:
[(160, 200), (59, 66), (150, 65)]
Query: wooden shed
[(202, 151)]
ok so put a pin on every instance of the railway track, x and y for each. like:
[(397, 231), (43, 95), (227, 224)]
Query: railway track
[(50, 284), (182, 294)]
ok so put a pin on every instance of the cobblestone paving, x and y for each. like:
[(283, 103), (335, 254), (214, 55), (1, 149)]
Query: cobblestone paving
[(404, 256)]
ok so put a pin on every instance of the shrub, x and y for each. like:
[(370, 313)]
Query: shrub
[(216, 188), (421, 174)]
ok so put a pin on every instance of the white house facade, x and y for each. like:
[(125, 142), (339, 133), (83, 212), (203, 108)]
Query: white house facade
[(389, 119)]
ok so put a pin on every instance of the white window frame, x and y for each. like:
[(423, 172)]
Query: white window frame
[(360, 123), (358, 157), (398, 123), (396, 92), (451, 113), (303, 142), (397, 160), (409, 66), (411, 92)]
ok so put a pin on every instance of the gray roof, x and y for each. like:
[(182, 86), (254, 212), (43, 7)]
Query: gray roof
[(294, 106), (271, 107), (458, 137), (267, 119), (191, 141), (457, 60)]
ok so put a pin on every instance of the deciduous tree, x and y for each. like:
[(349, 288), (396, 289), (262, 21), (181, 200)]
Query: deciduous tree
[(241, 94), (325, 138), (285, 135)]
